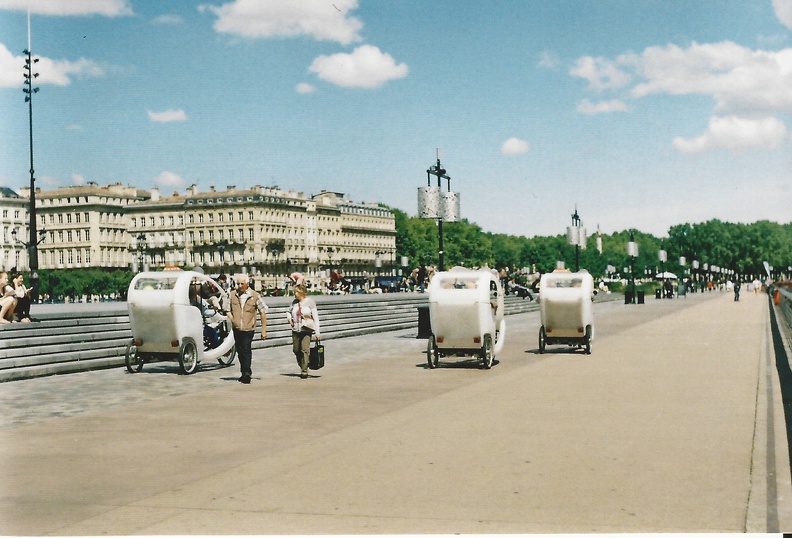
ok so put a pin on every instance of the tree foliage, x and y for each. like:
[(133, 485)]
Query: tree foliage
[(740, 247)]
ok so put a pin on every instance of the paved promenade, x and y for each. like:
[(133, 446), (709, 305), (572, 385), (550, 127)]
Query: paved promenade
[(674, 423)]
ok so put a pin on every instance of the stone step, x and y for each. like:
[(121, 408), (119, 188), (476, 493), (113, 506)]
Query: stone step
[(76, 341)]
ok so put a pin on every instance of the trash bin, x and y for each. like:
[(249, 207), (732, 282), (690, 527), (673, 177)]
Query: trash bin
[(658, 294), (424, 323), (641, 295), (628, 297)]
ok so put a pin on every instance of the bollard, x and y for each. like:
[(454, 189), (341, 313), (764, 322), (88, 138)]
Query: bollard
[(424, 323), (641, 296), (628, 297)]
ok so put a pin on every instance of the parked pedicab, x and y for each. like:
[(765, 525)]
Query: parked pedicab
[(177, 315), (565, 300), (466, 313)]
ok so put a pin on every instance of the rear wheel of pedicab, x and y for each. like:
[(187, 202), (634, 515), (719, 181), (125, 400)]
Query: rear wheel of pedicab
[(134, 362), (587, 344), (188, 356), (228, 358), (487, 355), (432, 353), (542, 339)]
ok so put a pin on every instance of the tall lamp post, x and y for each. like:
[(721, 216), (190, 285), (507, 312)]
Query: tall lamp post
[(662, 255), (632, 252), (32, 244), (139, 244), (576, 235), (434, 204)]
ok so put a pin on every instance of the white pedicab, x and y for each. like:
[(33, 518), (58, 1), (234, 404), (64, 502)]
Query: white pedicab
[(466, 314), (565, 304), (176, 315)]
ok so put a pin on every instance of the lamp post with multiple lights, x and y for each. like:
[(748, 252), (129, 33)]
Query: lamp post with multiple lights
[(32, 244)]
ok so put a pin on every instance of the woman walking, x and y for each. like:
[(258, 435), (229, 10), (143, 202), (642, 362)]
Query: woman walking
[(304, 320)]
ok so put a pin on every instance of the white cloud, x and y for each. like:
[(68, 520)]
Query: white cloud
[(587, 107), (167, 20), (548, 60), (168, 116), (77, 179), (169, 179), (739, 79), (323, 20), (735, 133), (601, 74), (107, 8), (515, 146), (57, 72), (304, 88), (783, 10), (365, 67)]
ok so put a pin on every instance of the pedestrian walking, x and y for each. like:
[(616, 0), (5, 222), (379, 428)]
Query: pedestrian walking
[(304, 320), (245, 303), (421, 277)]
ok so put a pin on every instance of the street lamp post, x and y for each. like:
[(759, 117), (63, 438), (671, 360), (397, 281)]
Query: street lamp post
[(576, 235), (32, 244), (432, 204), (632, 252), (139, 244), (30, 248), (662, 255)]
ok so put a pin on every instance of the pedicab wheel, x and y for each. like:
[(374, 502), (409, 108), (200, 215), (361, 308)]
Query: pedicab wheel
[(588, 340), (432, 353), (188, 356), (134, 362), (542, 339), (228, 358), (487, 355)]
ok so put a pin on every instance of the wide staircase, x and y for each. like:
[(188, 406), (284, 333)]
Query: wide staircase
[(69, 341)]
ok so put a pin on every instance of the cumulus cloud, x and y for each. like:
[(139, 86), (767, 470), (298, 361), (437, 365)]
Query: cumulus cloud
[(735, 133), (783, 10), (77, 179), (739, 79), (322, 20), (169, 179), (601, 74), (168, 116), (603, 107), (57, 72), (515, 146), (748, 87), (107, 8), (304, 88), (365, 67)]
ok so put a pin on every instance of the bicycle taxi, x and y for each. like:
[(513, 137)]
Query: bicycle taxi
[(565, 300), (466, 313), (178, 315)]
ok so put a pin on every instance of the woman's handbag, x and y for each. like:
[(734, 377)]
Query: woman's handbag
[(316, 357)]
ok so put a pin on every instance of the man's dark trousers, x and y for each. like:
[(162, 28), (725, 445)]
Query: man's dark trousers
[(244, 342)]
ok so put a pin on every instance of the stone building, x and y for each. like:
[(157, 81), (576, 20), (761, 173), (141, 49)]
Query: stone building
[(265, 231)]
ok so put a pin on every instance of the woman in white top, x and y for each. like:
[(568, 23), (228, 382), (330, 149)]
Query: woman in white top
[(304, 320)]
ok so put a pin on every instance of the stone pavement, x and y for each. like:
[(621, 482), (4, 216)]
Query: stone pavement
[(673, 424)]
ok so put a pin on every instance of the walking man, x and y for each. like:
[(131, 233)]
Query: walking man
[(245, 302)]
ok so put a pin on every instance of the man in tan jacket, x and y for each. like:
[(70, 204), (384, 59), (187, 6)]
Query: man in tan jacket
[(245, 302)]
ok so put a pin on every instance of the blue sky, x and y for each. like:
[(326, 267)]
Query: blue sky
[(643, 114)]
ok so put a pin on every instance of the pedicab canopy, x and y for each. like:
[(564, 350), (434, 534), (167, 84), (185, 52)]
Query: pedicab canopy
[(565, 302), (165, 308), (465, 306)]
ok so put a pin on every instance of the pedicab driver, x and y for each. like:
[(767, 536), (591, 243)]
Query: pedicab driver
[(245, 302)]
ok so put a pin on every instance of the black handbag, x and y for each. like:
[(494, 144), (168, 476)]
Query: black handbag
[(316, 357)]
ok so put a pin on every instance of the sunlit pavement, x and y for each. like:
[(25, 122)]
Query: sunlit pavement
[(665, 427)]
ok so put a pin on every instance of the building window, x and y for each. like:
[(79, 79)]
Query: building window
[(87, 235), (77, 218), (170, 220), (86, 216)]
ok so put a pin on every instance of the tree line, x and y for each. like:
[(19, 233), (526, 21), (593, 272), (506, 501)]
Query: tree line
[(740, 247)]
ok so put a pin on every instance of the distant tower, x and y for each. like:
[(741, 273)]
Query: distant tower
[(599, 239)]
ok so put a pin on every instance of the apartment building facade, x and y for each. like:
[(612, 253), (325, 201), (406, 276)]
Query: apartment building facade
[(265, 231)]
